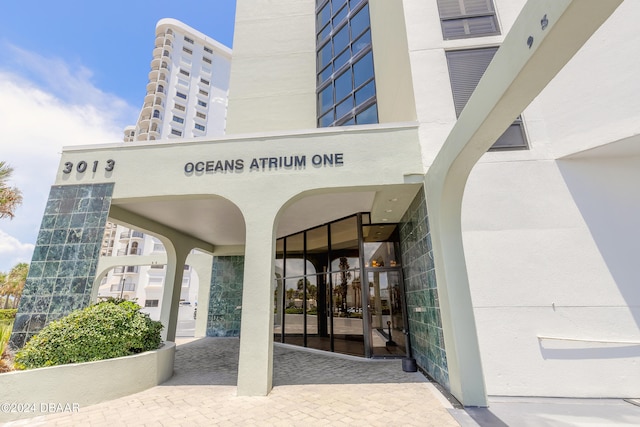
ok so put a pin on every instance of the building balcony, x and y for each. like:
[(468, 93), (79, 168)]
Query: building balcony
[(143, 121), (155, 63), (132, 251), (158, 51), (131, 233), (128, 287), (147, 108), (131, 269), (153, 74)]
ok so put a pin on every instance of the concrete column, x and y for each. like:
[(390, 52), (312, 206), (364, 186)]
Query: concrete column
[(176, 257), (201, 263), (255, 366)]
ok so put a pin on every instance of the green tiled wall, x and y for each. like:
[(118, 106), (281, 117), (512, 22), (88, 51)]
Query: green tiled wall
[(64, 260), (425, 325), (225, 296)]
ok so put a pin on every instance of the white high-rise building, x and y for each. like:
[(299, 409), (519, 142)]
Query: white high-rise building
[(188, 85), (459, 172), (186, 97)]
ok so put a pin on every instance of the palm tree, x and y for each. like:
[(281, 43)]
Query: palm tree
[(15, 282), (4, 288), (10, 197)]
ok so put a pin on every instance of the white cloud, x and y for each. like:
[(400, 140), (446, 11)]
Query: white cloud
[(14, 251), (36, 122)]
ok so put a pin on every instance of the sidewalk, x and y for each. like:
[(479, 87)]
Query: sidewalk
[(310, 389), (314, 388)]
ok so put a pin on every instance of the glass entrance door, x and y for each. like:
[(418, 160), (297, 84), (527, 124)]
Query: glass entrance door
[(386, 313)]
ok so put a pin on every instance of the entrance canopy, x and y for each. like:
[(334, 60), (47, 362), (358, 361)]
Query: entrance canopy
[(205, 189)]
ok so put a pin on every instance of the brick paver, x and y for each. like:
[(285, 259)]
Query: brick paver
[(310, 389)]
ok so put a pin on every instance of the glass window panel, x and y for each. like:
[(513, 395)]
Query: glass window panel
[(381, 245), (465, 18), (324, 33), (324, 15), (450, 8), (477, 6), (279, 287), (344, 107), (482, 25), (349, 122), (317, 243), (295, 252), (311, 302), (365, 92), (342, 59), (344, 85), (363, 69), (325, 74), (511, 138), (340, 16), (341, 39), (360, 22), (324, 56), (337, 4), (326, 99), (453, 29), (344, 243), (327, 119), (368, 116), (362, 42)]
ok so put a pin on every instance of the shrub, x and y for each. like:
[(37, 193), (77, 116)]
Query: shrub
[(105, 330), (8, 314), (5, 333)]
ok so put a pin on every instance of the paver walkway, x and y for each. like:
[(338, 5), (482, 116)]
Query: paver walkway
[(310, 389)]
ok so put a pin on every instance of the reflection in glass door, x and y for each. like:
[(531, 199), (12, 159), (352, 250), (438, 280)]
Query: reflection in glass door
[(339, 288), (386, 313)]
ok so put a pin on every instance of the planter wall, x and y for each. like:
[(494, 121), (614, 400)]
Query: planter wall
[(43, 391)]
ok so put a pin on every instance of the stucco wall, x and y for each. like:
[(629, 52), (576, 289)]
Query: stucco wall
[(272, 85), (550, 255)]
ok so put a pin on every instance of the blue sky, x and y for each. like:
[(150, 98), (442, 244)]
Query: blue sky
[(74, 72)]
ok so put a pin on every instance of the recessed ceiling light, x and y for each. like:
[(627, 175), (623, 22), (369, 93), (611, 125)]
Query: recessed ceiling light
[(389, 210), (385, 219), (393, 200)]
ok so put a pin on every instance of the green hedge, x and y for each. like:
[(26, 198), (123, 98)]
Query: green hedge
[(8, 314), (105, 330)]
